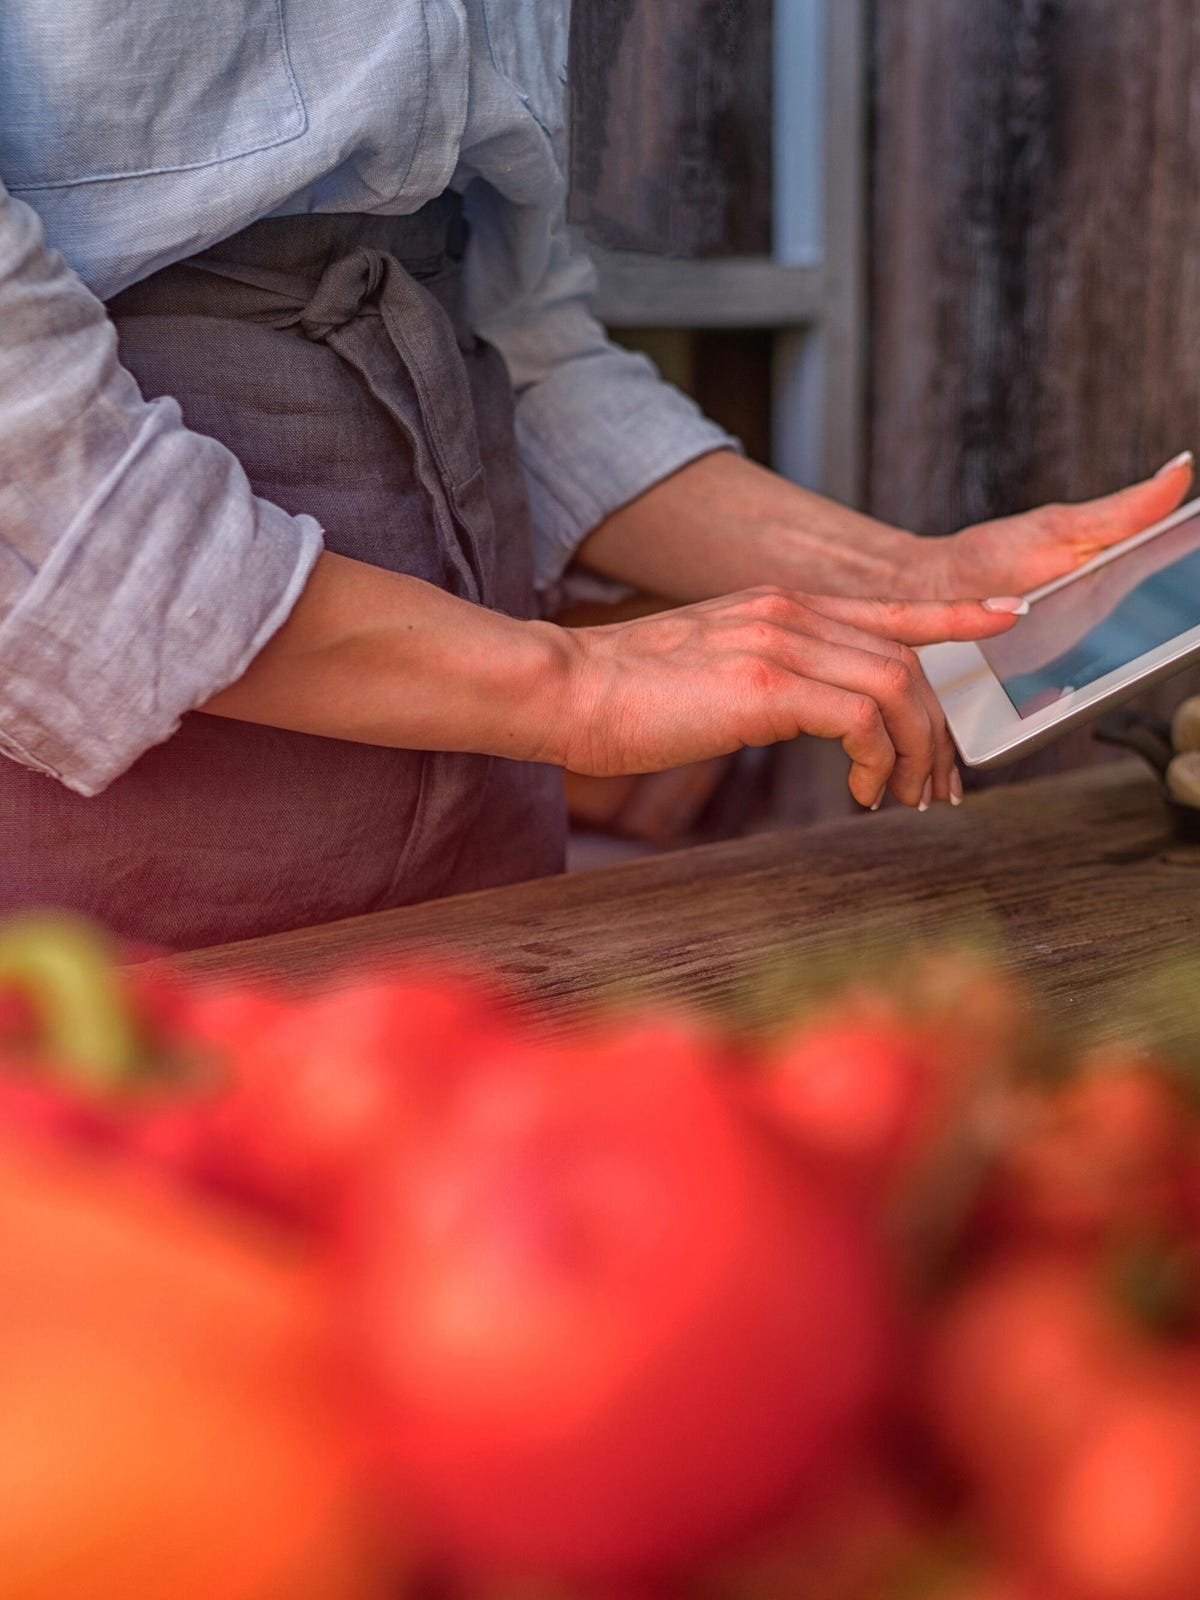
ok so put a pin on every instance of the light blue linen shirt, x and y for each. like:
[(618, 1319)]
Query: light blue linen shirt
[(138, 572)]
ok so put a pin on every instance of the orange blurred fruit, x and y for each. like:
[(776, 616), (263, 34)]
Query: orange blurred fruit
[(169, 1426)]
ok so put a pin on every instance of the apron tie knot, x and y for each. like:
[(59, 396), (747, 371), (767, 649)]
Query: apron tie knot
[(345, 291)]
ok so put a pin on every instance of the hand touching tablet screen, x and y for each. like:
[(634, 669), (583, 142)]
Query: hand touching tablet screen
[(1118, 624)]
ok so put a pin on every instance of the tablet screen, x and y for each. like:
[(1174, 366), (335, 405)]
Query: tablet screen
[(1103, 621)]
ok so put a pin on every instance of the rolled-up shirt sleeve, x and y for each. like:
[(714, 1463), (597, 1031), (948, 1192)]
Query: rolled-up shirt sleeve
[(139, 574), (596, 424)]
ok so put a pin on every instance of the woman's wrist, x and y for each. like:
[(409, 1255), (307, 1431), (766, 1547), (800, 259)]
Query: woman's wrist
[(463, 678), (525, 693)]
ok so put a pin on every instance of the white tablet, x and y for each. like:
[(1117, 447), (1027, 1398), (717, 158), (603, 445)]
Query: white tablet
[(1124, 620)]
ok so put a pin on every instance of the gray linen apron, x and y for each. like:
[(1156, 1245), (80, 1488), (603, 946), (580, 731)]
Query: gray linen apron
[(329, 353)]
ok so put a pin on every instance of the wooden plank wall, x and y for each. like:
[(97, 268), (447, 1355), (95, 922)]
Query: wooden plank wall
[(671, 124), (1036, 255)]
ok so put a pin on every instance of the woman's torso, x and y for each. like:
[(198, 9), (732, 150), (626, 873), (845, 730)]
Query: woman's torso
[(331, 354)]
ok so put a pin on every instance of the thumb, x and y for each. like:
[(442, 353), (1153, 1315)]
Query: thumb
[(1095, 524), (924, 621)]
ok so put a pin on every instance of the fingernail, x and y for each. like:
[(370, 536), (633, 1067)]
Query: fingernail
[(1183, 459), (956, 788), (926, 795), (879, 798), (1013, 605)]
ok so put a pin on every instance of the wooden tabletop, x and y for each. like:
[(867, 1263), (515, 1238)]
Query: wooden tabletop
[(1078, 876)]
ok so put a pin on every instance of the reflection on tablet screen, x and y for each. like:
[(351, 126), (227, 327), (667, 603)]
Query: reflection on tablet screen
[(1103, 621)]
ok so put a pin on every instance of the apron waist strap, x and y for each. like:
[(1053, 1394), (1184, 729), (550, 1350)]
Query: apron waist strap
[(394, 317)]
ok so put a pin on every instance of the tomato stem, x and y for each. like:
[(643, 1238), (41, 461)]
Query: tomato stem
[(67, 969)]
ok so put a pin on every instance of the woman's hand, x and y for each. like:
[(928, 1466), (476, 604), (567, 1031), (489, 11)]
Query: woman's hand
[(722, 524), (1021, 553), (767, 665)]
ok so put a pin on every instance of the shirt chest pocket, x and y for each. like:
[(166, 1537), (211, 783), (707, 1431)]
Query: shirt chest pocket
[(528, 44), (99, 89)]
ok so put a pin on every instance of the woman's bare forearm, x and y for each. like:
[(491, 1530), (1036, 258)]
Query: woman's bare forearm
[(380, 658), (384, 659), (722, 524)]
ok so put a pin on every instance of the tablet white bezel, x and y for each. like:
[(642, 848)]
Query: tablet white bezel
[(983, 721)]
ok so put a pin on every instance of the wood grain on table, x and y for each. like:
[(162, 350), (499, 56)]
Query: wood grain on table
[(1078, 876)]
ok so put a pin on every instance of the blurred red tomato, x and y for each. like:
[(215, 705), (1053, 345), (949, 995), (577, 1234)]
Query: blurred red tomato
[(886, 1084), (1121, 1519), (304, 1087), (1019, 1365), (35, 1107), (856, 1090), (611, 1323), (170, 1424), (45, 1096), (1102, 1157)]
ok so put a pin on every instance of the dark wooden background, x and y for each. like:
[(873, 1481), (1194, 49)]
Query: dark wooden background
[(671, 124), (1036, 261), (1035, 255)]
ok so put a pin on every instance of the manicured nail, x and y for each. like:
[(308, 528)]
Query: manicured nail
[(1183, 459), (926, 795), (1013, 605), (956, 788)]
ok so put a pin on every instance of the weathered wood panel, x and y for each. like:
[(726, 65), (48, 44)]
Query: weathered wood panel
[(1036, 251), (671, 124), (1036, 260)]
